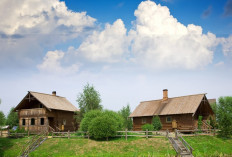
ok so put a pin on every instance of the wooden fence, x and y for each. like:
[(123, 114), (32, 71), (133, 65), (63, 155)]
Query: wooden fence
[(125, 133)]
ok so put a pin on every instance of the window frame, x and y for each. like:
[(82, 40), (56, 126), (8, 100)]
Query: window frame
[(144, 120), (167, 121), (23, 121), (42, 121), (33, 120)]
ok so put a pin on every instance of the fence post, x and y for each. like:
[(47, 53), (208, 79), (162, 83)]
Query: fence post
[(176, 133), (68, 134), (28, 133), (126, 134), (146, 133)]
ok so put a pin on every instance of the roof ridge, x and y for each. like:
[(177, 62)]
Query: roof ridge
[(46, 94), (174, 97)]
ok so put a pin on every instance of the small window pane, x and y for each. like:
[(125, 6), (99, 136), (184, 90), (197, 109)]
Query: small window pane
[(41, 121), (23, 122), (169, 119), (32, 121), (144, 120)]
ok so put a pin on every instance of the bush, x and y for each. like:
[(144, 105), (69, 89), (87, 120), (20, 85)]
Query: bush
[(103, 127), (89, 116), (199, 122), (148, 127), (156, 123), (117, 117)]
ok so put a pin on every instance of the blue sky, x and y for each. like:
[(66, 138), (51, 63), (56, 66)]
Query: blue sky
[(129, 50)]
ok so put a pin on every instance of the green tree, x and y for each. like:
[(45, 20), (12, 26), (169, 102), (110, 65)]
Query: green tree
[(2, 118), (12, 118), (224, 116), (156, 123), (125, 113), (88, 100)]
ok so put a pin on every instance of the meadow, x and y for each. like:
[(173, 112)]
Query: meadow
[(134, 146)]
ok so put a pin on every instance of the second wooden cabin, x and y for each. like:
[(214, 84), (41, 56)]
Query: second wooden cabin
[(175, 113)]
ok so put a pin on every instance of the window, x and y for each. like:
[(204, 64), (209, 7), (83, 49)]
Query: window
[(41, 121), (144, 120), (23, 122), (40, 106), (32, 121), (64, 122), (169, 119)]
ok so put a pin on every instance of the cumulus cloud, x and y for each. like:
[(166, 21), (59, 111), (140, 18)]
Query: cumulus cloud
[(108, 45), (27, 28), (42, 15), (52, 64), (160, 41)]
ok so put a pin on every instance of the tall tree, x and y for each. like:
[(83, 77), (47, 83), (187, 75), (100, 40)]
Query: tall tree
[(224, 116), (12, 118), (88, 100), (2, 118), (125, 113)]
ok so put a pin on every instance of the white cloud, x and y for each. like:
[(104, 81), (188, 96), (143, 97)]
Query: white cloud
[(108, 45), (226, 45), (25, 15), (29, 27), (52, 64), (160, 41)]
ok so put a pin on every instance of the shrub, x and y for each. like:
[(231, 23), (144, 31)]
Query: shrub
[(148, 127), (103, 127), (156, 123), (199, 122), (117, 117), (89, 116)]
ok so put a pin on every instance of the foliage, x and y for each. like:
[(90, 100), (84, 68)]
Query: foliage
[(156, 123), (224, 115), (213, 122), (106, 125), (12, 118), (2, 118), (117, 117), (88, 100), (103, 127), (148, 127), (199, 122), (77, 117), (88, 118), (125, 113)]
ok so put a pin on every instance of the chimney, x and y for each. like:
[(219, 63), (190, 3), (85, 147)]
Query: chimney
[(54, 93), (165, 94)]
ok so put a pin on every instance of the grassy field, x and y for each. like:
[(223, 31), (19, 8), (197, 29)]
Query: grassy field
[(135, 146)]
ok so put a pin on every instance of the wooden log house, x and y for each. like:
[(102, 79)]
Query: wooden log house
[(175, 113), (45, 112)]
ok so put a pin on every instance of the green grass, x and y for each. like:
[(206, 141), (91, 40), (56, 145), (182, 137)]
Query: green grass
[(11, 147), (210, 146), (134, 146)]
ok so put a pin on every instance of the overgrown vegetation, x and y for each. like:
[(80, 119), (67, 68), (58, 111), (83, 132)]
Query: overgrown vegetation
[(224, 116), (156, 123), (2, 118), (148, 127)]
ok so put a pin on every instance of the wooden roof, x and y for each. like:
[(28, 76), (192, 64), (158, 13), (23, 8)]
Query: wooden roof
[(176, 105), (50, 101)]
